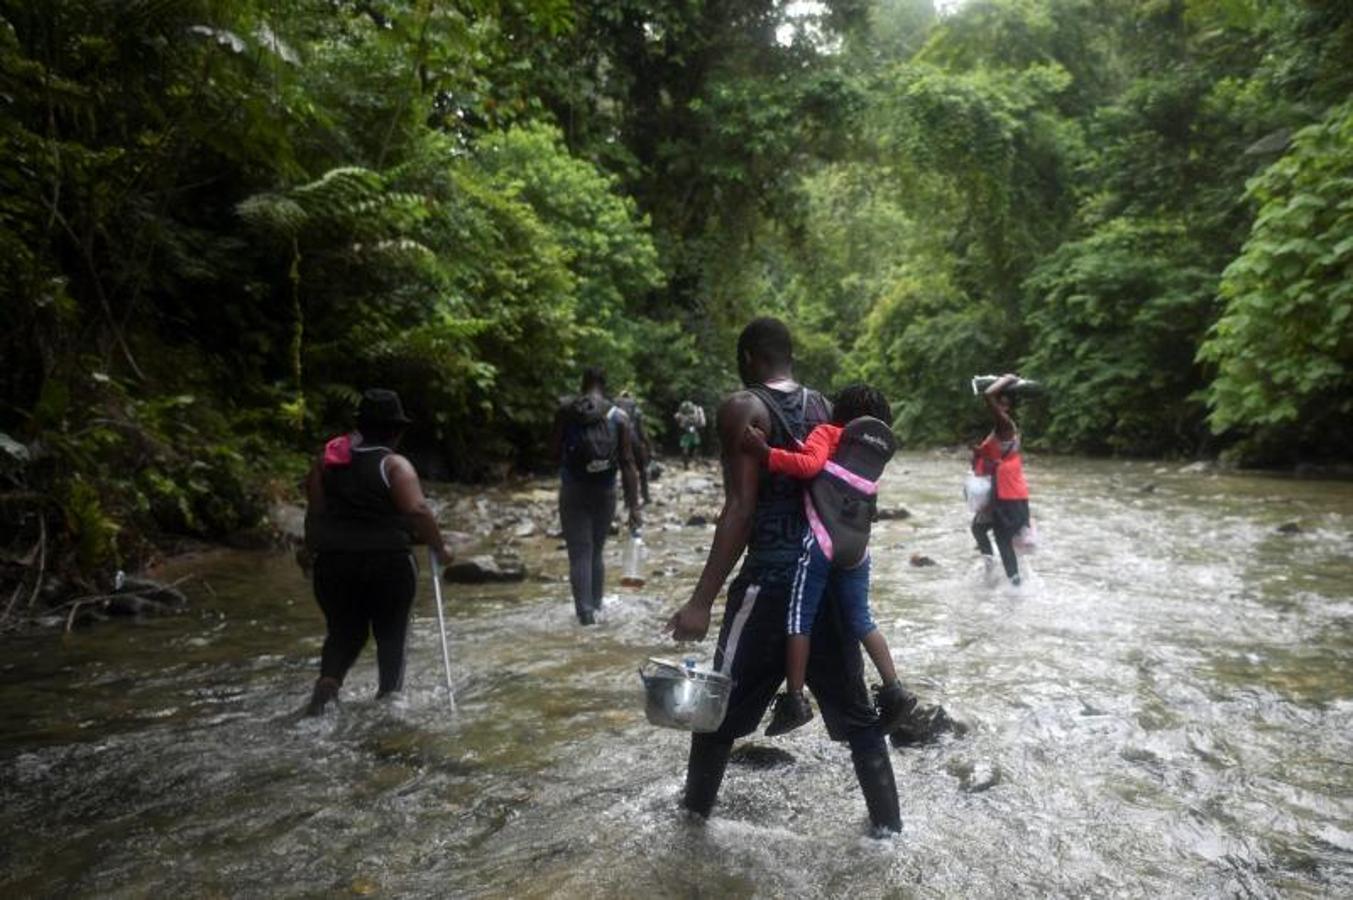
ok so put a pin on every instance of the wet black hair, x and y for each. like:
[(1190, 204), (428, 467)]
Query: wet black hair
[(857, 400), (594, 377), (767, 339)]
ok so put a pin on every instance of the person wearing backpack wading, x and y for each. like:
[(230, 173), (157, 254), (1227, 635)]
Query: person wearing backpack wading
[(763, 513), (591, 440), (365, 507), (690, 419), (643, 450)]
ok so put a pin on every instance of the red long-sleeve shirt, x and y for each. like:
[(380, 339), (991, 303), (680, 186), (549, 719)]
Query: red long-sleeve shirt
[(807, 462)]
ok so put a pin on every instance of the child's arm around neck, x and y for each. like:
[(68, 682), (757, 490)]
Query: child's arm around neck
[(807, 461)]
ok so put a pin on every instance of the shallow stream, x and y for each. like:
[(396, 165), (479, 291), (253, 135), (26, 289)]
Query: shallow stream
[(1165, 710)]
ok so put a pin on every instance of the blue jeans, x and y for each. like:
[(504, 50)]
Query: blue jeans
[(813, 576)]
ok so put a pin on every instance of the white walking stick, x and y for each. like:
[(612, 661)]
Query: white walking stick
[(441, 624)]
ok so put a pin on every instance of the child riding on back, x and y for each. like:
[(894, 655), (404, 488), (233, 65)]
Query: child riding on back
[(844, 460)]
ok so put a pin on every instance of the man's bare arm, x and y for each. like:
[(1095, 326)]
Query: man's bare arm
[(733, 530), (629, 475)]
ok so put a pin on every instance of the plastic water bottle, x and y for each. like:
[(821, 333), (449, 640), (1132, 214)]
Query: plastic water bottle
[(632, 561), (689, 663)]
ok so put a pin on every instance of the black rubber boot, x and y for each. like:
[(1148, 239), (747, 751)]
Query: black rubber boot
[(874, 770), (704, 773), (895, 706), (791, 711)]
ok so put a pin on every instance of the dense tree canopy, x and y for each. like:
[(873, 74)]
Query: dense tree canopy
[(221, 218)]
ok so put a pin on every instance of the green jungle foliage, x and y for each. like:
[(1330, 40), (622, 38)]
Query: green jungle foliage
[(221, 219)]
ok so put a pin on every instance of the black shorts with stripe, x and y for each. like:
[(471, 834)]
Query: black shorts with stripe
[(751, 650)]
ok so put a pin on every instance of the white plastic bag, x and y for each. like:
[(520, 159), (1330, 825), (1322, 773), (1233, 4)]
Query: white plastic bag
[(977, 491)]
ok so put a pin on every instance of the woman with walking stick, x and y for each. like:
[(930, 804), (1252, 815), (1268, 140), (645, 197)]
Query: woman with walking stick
[(366, 509)]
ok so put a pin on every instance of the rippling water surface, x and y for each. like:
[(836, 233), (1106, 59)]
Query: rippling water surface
[(1166, 710)]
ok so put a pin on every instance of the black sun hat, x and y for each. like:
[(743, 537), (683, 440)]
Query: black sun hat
[(380, 407)]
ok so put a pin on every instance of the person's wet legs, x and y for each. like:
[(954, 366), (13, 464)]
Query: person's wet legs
[(1005, 543), (874, 772), (346, 627), (392, 590), (979, 533), (603, 511), (576, 522), (704, 772)]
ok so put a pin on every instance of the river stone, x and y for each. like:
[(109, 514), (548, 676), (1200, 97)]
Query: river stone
[(289, 521), (921, 561), (133, 605), (925, 725), (155, 592), (757, 756), (484, 570), (1289, 528), (698, 520), (894, 512), (975, 777)]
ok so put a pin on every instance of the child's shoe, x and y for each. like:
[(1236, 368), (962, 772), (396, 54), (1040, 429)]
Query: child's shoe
[(792, 710), (895, 705)]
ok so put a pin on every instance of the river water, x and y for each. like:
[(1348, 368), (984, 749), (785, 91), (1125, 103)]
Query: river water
[(1166, 709)]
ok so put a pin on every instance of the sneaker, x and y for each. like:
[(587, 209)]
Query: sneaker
[(895, 705), (326, 690), (792, 710)]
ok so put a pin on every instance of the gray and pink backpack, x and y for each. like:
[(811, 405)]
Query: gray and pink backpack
[(841, 501)]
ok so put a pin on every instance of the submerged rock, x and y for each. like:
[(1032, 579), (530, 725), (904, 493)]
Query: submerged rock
[(1290, 528), (975, 777), (920, 561), (759, 756), (160, 596), (894, 512), (484, 570), (696, 521), (926, 724), (288, 520)]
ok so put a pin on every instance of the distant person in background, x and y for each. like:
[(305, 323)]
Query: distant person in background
[(365, 509), (643, 450), (591, 440), (998, 457), (690, 419)]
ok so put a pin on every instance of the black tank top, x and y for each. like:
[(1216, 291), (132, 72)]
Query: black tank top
[(779, 521), (359, 515)]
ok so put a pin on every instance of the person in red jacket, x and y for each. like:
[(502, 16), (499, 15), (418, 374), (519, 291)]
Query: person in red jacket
[(998, 457), (835, 555)]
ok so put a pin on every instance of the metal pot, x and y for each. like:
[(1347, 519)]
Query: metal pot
[(683, 697)]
